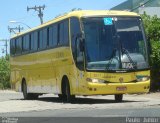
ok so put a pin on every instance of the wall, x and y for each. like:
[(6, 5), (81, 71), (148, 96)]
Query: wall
[(152, 7)]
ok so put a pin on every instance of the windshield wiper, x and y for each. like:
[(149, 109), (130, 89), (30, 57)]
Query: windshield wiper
[(111, 59), (122, 51)]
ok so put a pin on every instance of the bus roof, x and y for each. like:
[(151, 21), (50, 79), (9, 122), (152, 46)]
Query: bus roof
[(80, 13)]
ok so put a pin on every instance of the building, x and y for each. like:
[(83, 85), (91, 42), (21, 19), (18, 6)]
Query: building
[(151, 7)]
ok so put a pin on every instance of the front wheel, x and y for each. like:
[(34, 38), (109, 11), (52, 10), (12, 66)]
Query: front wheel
[(67, 97), (118, 97)]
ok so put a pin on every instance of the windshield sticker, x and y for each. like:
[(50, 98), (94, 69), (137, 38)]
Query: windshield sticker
[(128, 65), (108, 21)]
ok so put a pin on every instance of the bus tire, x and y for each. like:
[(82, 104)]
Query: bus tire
[(26, 95), (60, 96), (67, 97), (118, 97), (33, 96)]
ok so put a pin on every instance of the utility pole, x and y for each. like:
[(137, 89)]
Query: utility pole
[(6, 44), (19, 28), (39, 9)]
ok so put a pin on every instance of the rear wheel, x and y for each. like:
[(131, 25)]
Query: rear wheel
[(118, 97), (33, 96), (60, 96), (27, 95), (24, 90)]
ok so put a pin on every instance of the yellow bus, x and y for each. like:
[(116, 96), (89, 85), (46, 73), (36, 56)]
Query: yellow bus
[(82, 53)]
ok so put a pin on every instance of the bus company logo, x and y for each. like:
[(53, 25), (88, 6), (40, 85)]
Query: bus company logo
[(121, 80)]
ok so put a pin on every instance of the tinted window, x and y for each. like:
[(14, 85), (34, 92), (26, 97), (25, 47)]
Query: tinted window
[(50, 36), (66, 33), (45, 38), (34, 37), (35, 41), (63, 33), (12, 46), (32, 41), (53, 35), (60, 34), (26, 43), (41, 39), (19, 45), (75, 29)]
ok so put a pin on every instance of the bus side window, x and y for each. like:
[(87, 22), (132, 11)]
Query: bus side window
[(75, 42), (19, 45), (45, 38), (63, 33), (53, 35), (12, 47), (26, 43), (32, 41), (41, 39), (66, 33), (75, 29), (60, 31), (35, 41)]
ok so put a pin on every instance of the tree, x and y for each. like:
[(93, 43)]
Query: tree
[(4, 73), (152, 28)]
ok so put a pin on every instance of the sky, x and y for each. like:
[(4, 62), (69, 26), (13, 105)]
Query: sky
[(16, 10)]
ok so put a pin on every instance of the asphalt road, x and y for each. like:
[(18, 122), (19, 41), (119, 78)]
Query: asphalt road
[(49, 108)]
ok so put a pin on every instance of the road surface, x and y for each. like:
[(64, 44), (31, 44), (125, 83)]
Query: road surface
[(49, 106)]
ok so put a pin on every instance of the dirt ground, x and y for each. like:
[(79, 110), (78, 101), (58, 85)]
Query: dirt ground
[(11, 101)]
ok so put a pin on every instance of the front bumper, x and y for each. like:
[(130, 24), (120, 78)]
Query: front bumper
[(111, 88)]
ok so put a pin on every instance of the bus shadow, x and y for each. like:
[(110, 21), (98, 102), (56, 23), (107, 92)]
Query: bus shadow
[(85, 100)]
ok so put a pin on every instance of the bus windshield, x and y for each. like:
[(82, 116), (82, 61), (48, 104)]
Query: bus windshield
[(115, 43)]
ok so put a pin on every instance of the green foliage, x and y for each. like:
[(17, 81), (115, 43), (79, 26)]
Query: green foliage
[(152, 28), (155, 57), (4, 73)]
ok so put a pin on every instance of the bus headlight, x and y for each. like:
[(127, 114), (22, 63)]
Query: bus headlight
[(95, 80), (142, 78)]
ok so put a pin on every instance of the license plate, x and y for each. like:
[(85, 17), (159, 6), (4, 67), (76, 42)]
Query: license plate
[(122, 88)]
